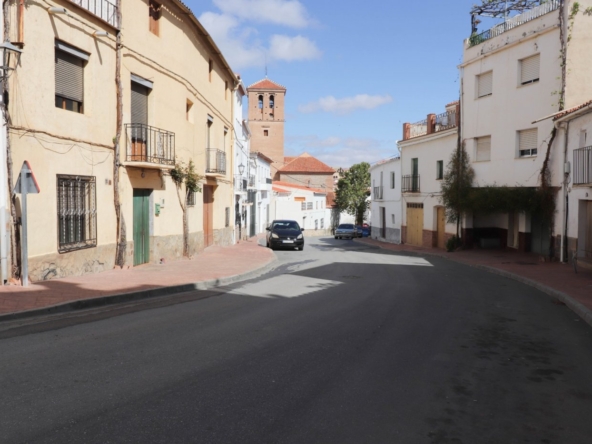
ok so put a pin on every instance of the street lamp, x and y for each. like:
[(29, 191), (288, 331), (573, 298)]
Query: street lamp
[(241, 169), (11, 56)]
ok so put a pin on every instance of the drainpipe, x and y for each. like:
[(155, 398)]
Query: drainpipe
[(565, 127)]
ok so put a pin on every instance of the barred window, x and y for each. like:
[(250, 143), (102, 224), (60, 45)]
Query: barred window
[(191, 200), (227, 215), (303, 206), (77, 212), (309, 205)]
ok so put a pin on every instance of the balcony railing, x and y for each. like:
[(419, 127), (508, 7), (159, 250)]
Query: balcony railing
[(252, 181), (104, 9), (418, 129), (582, 166), (240, 184), (215, 161), (446, 121), (410, 184), (511, 23), (148, 144), (378, 193)]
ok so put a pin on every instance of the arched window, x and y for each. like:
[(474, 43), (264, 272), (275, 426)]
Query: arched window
[(271, 101), (260, 102)]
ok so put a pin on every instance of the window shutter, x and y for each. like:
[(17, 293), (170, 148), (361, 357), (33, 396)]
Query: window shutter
[(139, 104), (483, 149), (485, 84), (528, 139), (530, 68), (69, 76)]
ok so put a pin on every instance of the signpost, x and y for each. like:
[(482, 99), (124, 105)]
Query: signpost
[(25, 184)]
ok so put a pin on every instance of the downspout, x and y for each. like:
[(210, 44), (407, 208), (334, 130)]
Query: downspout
[(565, 127)]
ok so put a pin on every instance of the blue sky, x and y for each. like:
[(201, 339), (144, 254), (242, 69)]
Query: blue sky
[(354, 70)]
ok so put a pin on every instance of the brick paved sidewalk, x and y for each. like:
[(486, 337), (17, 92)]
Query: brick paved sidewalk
[(554, 278), (213, 264)]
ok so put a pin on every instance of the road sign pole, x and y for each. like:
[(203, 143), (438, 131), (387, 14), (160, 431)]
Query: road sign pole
[(24, 246)]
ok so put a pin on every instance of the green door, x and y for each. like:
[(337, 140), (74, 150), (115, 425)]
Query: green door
[(141, 226)]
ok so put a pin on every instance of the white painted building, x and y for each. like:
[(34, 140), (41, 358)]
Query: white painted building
[(385, 207), (511, 77), (242, 137), (262, 176), (574, 142), (425, 150), (307, 206)]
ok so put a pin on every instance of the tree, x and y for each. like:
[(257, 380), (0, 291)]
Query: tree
[(457, 185), (184, 176), (353, 190), (500, 8)]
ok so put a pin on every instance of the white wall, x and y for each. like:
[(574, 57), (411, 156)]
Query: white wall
[(391, 200)]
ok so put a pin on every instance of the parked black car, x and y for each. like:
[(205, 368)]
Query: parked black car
[(285, 234)]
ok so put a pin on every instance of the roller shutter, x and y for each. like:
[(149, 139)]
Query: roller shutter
[(529, 69), (485, 84), (69, 76), (483, 149), (139, 103)]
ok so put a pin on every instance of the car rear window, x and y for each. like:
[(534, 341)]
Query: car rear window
[(351, 226)]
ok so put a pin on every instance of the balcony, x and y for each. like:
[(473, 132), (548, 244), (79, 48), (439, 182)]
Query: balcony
[(103, 9), (434, 123), (582, 166), (378, 193), (252, 181), (511, 23), (215, 161), (240, 184), (149, 147), (410, 184)]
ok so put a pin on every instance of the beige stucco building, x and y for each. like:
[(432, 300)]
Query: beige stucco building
[(176, 105)]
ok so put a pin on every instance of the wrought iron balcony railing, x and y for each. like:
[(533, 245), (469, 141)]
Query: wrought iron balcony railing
[(582, 166), (418, 129), (513, 22), (215, 161), (240, 184), (378, 193), (410, 184), (148, 144), (104, 9), (446, 121)]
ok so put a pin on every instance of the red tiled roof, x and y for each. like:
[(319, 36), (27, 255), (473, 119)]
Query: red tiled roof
[(278, 183), (305, 163), (278, 189), (572, 110), (267, 84), (288, 159)]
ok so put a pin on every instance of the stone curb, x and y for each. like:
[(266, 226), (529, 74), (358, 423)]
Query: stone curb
[(113, 299), (575, 306)]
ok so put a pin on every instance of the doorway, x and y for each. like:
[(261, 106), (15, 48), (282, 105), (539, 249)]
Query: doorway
[(513, 226), (208, 215), (414, 224), (383, 222), (141, 226)]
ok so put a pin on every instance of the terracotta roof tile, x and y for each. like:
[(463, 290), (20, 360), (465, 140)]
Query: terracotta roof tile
[(267, 84), (305, 163), (278, 183), (572, 110)]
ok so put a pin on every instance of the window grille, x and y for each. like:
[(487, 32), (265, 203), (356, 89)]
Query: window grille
[(485, 84), (483, 149), (527, 142), (530, 69), (414, 205), (77, 212), (191, 200), (309, 205), (303, 206), (227, 216)]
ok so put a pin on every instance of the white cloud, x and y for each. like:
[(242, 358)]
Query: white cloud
[(290, 49), (290, 13), (346, 105)]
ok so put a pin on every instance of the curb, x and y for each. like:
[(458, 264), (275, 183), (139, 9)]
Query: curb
[(575, 306), (102, 301)]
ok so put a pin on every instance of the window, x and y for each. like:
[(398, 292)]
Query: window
[(303, 206), (155, 12), (322, 223), (69, 77), (227, 217), (583, 137), (266, 133), (392, 180), (527, 143), (77, 212), (260, 102), (439, 170), (483, 149), (191, 200), (271, 102), (529, 69), (316, 224), (188, 113), (309, 205), (393, 218), (485, 84)]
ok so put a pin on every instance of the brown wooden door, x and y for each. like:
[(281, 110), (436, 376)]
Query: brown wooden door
[(415, 224), (208, 215), (441, 227)]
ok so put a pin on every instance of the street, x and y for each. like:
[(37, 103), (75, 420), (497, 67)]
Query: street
[(341, 343)]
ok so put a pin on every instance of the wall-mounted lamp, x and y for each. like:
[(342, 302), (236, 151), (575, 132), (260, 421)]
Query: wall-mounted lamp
[(10, 56), (56, 10), (241, 169), (101, 34)]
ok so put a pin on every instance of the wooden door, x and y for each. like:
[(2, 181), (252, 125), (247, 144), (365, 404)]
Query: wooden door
[(588, 243), (141, 226), (383, 222), (441, 228), (208, 215), (415, 224)]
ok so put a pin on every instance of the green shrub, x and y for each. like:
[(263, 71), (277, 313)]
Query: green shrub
[(453, 243)]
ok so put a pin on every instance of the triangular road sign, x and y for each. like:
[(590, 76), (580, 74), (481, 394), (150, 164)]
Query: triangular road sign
[(31, 186)]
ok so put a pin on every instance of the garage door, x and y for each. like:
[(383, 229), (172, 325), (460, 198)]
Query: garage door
[(414, 224)]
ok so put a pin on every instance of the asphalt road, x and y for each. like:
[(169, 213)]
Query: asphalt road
[(342, 343)]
